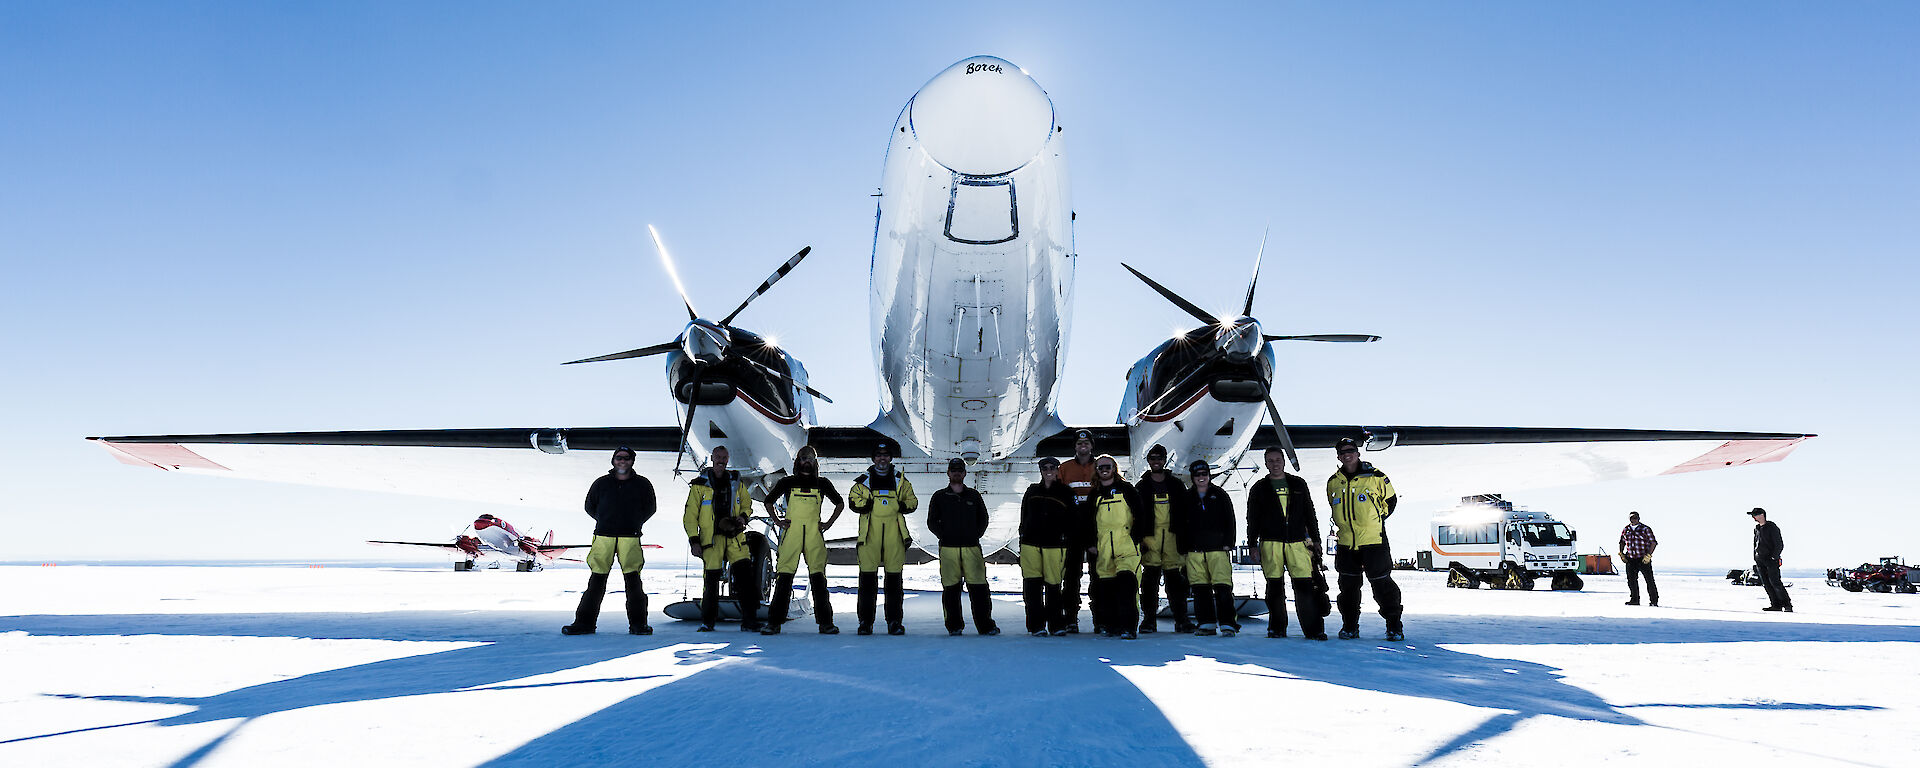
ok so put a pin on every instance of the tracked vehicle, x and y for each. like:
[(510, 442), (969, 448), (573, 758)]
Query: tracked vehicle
[(1485, 540)]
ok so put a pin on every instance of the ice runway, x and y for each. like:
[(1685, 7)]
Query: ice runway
[(219, 666)]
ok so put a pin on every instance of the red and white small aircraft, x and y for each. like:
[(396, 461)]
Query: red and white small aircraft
[(498, 541)]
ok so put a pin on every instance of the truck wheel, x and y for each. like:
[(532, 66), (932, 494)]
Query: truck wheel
[(1567, 581), (1515, 577), (1459, 577)]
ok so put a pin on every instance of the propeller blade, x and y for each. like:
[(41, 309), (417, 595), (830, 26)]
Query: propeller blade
[(1280, 429), (641, 352), (1248, 310), (686, 431), (1347, 337), (789, 379), (768, 283), (672, 273), (1197, 312)]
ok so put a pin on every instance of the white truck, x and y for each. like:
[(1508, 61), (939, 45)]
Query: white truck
[(1486, 541)]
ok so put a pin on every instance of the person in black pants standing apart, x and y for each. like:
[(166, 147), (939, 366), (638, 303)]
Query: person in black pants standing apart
[(1766, 561), (1636, 547)]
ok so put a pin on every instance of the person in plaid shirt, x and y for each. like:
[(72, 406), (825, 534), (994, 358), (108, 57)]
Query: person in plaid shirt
[(1636, 547)]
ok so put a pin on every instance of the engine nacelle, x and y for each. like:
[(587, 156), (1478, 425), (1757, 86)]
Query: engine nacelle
[(743, 403), (1198, 405)]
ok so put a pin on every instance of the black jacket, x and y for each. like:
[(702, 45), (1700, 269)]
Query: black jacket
[(1086, 527), (1175, 490), (957, 518), (620, 508), (1046, 515), (1766, 543), (1266, 521), (1207, 522), (792, 483)]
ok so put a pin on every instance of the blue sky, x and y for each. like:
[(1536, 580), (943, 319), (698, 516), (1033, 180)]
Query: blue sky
[(246, 217)]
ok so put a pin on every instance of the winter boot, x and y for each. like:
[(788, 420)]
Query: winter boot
[(1177, 600), (710, 599), (777, 610), (1223, 606), (746, 593), (1033, 598), (1307, 606), (896, 604), (636, 605), (950, 609), (587, 616), (1055, 610), (981, 597), (1149, 599), (1204, 610), (822, 603), (1277, 607), (863, 604)]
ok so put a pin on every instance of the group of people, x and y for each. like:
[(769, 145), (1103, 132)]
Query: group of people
[(1637, 543), (1082, 521)]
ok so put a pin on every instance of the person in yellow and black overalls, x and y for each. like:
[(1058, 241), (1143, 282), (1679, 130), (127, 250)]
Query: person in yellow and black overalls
[(716, 522), (620, 503), (805, 492), (882, 497), (1119, 520), (1077, 473), (1160, 552), (1046, 515), (957, 516), (1360, 498), (1282, 526), (1205, 531)]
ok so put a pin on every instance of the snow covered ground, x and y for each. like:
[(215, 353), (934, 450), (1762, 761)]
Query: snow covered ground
[(239, 666)]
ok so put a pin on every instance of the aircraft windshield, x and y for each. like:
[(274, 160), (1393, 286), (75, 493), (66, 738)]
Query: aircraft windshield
[(1546, 535)]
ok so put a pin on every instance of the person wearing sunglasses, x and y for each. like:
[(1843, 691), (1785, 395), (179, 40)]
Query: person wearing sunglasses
[(1119, 521)]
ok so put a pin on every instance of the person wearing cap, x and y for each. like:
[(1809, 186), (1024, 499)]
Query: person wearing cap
[(1205, 532), (1160, 552), (957, 516), (1116, 520), (718, 506), (804, 492), (620, 503), (1046, 515), (1282, 526), (1359, 499), (1767, 546), (1077, 473), (882, 497), (1636, 548)]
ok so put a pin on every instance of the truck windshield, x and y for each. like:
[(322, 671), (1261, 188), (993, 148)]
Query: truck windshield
[(1546, 535)]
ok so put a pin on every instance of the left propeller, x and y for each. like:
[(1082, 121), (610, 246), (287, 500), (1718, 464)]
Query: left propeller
[(706, 343)]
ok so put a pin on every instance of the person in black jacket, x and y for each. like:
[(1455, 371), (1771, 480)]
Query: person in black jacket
[(1767, 546), (957, 516), (1160, 551), (1115, 519), (1206, 537), (1046, 514), (620, 503), (1282, 526)]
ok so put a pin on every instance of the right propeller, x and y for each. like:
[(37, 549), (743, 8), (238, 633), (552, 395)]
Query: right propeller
[(1239, 339)]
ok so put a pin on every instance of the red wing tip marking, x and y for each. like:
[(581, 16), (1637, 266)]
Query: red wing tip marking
[(1734, 453), (167, 456)]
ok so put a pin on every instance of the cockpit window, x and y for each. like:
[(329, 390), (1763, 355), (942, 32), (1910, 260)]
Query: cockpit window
[(982, 211)]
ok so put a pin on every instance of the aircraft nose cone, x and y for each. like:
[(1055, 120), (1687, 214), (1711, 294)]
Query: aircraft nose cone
[(982, 117)]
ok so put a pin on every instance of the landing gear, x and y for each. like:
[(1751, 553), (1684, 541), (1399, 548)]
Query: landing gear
[(463, 565)]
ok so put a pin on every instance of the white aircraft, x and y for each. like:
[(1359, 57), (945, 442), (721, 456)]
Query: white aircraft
[(495, 541), (971, 297)]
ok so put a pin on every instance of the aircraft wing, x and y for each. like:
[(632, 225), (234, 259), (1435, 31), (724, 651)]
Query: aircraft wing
[(441, 545), (548, 468), (1435, 463)]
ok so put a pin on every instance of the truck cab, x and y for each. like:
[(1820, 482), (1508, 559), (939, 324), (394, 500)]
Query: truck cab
[(1486, 540)]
